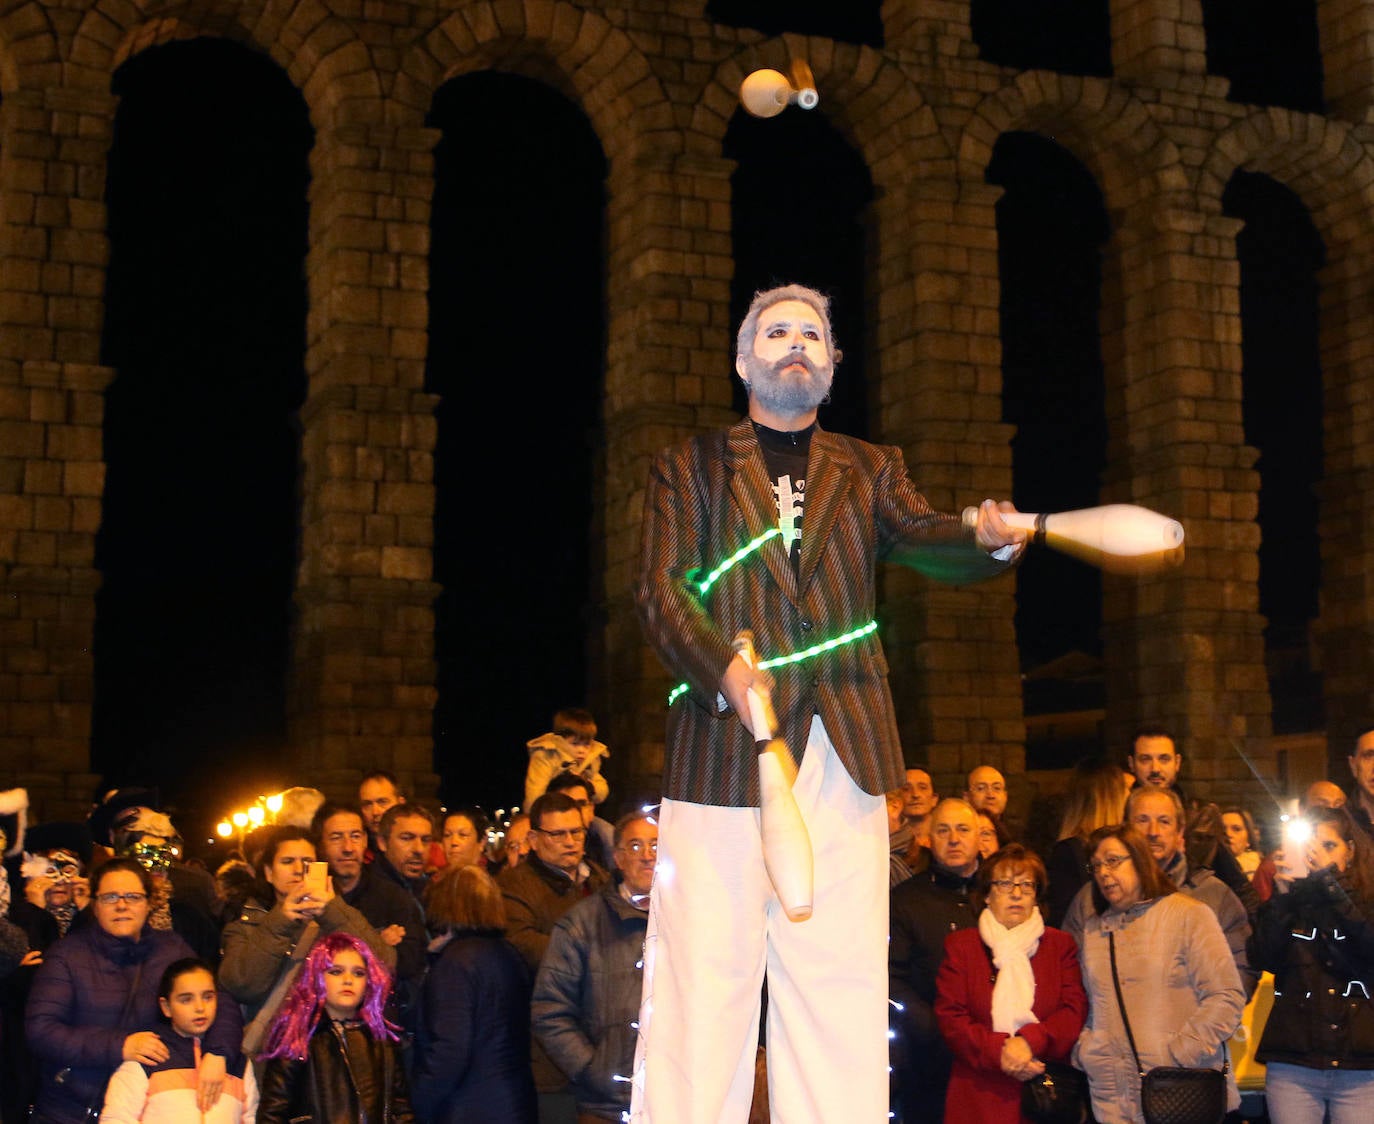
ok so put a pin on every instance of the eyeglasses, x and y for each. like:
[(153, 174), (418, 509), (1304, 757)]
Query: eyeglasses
[(1111, 862), (568, 833), (1007, 885), (639, 846), (131, 897)]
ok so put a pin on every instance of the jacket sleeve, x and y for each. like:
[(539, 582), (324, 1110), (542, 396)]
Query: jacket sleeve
[(126, 1095), (225, 1036), (446, 1037), (1216, 984), (1235, 924), (340, 917), (674, 548), (522, 927), (1267, 948), (591, 773), (913, 534), (555, 1008), (50, 1027), (279, 1079), (916, 1016), (968, 1033), (254, 952), (1334, 890), (250, 1095), (401, 1110), (1053, 1037)]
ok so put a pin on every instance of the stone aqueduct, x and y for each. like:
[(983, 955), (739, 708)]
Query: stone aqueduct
[(658, 83)]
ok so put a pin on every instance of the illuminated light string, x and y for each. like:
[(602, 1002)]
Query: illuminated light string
[(739, 556), (797, 657)]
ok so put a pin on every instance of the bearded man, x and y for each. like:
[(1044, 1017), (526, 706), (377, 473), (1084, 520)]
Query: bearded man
[(716, 928)]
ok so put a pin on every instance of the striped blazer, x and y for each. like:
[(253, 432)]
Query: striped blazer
[(706, 499)]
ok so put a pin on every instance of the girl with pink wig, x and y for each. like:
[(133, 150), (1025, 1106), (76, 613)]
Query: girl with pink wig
[(331, 1055)]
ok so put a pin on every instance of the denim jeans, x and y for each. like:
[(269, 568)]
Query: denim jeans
[(1298, 1095)]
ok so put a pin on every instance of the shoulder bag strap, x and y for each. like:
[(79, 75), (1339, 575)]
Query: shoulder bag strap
[(1121, 1003)]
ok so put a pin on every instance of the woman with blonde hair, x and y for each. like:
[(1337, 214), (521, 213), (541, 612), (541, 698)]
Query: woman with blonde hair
[(1095, 798)]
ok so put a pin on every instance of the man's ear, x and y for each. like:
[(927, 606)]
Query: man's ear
[(739, 369)]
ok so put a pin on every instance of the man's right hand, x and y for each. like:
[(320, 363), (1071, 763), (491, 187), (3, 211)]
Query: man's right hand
[(145, 1047), (735, 684)]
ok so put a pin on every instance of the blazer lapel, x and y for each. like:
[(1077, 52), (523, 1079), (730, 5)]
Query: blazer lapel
[(753, 492), (827, 483)]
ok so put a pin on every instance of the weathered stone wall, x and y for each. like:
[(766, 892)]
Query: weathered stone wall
[(658, 83)]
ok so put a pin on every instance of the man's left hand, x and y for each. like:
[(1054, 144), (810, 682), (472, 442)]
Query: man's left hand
[(991, 531)]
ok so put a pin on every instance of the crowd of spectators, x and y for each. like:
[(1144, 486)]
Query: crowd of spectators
[(389, 961)]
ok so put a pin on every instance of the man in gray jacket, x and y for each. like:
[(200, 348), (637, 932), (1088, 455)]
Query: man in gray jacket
[(586, 996)]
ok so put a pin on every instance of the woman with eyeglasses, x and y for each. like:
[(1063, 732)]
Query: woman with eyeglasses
[(1009, 996), (1177, 977), (93, 1004), (1315, 935)]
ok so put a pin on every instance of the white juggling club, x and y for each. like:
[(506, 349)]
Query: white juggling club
[(1119, 537)]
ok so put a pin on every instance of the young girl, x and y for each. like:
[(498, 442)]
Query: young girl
[(331, 1056), (165, 1093)]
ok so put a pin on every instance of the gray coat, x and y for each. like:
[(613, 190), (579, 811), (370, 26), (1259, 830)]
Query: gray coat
[(1182, 992)]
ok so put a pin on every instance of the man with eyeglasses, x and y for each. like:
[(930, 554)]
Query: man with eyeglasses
[(600, 834), (553, 878), (987, 791), (586, 997)]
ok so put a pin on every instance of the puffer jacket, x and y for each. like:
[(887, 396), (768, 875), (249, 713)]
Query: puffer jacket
[(1318, 941), (586, 996), (1182, 992), (323, 1088), (75, 1022)]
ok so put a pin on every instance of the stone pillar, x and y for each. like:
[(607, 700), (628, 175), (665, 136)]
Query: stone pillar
[(1345, 30), (667, 376), (1346, 626), (53, 253), (363, 686), (951, 651), (1155, 41), (1184, 647)]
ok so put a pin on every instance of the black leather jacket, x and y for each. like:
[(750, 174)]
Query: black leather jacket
[(1318, 940), (324, 1089)]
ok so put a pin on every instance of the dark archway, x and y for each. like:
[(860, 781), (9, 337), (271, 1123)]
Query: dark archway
[(1068, 36), (1280, 255), (853, 21), (517, 349), (1270, 52), (205, 326), (1051, 228), (800, 200)]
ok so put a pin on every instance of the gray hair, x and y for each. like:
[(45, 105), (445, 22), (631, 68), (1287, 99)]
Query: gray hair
[(1140, 792), (766, 298)]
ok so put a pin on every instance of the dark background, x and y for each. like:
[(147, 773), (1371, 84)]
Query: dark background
[(206, 303)]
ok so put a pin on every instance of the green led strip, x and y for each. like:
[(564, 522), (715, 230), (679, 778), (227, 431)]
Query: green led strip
[(797, 657), (739, 556)]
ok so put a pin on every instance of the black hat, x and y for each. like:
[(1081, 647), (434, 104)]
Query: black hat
[(102, 819), (73, 837)]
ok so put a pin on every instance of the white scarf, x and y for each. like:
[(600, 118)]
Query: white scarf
[(1014, 992)]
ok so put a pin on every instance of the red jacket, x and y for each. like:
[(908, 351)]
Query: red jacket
[(978, 1089)]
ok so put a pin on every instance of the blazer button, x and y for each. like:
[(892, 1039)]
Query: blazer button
[(806, 625)]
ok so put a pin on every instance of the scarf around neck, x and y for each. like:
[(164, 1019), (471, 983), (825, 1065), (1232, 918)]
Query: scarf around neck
[(1011, 950)]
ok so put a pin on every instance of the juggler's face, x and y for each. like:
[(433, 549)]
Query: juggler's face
[(790, 370)]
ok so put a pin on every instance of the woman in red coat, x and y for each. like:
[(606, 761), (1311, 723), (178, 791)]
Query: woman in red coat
[(1009, 996)]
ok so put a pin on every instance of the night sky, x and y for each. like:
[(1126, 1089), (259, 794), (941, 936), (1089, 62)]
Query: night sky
[(206, 304)]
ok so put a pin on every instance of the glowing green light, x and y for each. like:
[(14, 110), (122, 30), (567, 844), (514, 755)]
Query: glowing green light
[(797, 657), (739, 556)]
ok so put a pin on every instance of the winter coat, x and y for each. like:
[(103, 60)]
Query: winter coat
[(978, 1089), (536, 896), (75, 1021), (586, 998), (257, 947), (552, 756), (1318, 940), (472, 1049), (166, 1093), (1182, 993), (324, 1087)]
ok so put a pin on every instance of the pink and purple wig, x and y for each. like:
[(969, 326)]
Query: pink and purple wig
[(289, 1035)]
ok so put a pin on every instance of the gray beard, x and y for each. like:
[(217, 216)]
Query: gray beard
[(789, 395)]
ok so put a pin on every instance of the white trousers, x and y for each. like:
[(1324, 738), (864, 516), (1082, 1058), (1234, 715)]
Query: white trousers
[(716, 927)]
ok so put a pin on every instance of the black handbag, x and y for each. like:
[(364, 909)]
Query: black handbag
[(1173, 1094), (1057, 1096)]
